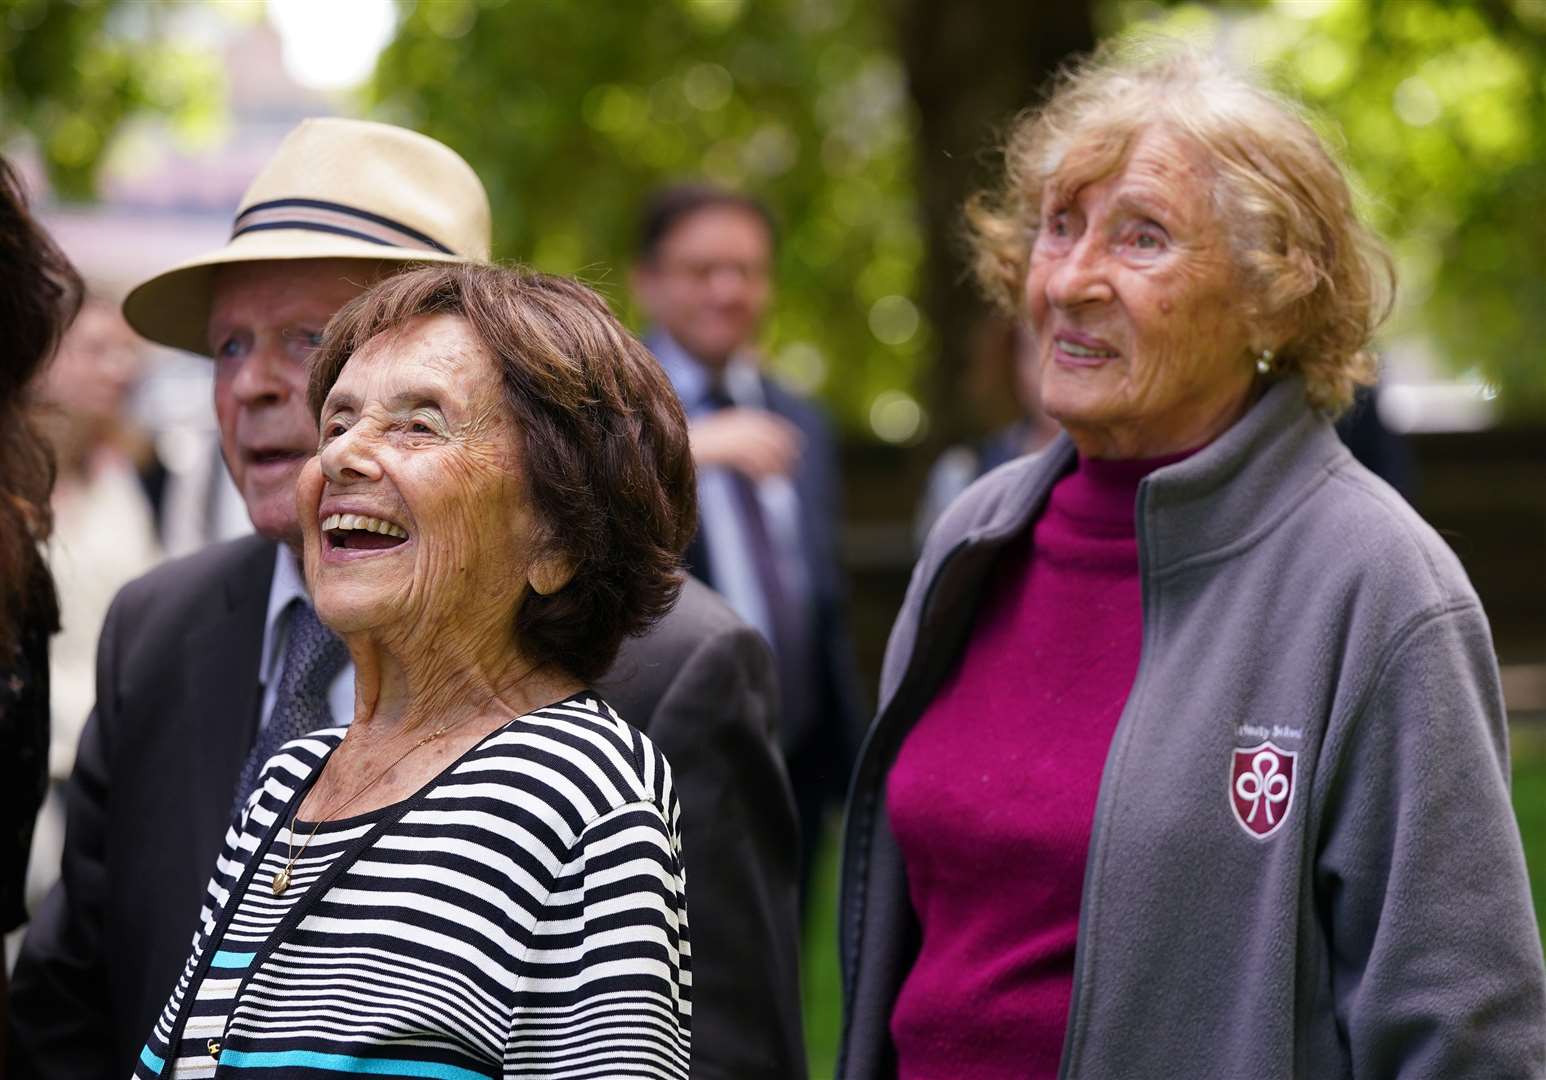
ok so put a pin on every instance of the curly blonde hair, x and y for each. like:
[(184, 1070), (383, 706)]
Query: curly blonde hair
[(1315, 276)]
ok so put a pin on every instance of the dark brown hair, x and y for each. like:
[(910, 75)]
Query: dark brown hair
[(604, 440), (668, 207), (40, 293)]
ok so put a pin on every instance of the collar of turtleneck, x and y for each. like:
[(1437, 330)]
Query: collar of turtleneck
[(1098, 498)]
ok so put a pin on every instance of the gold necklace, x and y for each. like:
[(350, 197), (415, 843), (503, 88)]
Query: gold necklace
[(282, 879)]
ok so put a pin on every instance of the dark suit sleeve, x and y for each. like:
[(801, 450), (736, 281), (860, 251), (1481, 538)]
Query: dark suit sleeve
[(714, 723), (59, 1011)]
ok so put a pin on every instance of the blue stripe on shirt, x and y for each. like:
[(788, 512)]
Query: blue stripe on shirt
[(151, 1061), (228, 959), (307, 1059)]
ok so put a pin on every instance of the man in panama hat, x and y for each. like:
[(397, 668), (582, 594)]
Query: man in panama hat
[(208, 663)]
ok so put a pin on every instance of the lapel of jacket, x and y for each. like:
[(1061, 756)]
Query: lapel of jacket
[(221, 707)]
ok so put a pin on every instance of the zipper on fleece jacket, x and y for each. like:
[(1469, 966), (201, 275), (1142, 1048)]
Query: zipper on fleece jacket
[(853, 834), (1073, 1036)]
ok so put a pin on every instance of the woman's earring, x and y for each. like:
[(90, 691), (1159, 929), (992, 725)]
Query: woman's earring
[(1264, 362)]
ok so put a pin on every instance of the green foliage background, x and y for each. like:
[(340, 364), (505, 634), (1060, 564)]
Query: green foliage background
[(1440, 108), (572, 114), (572, 110), (73, 71)]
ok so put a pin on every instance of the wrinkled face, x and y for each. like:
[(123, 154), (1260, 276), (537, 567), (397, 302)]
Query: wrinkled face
[(265, 321), (1140, 323), (710, 283), (414, 510)]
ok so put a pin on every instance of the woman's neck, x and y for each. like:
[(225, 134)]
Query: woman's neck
[(1190, 425), (402, 689)]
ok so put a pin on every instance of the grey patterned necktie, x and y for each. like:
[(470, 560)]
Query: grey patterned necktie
[(314, 656)]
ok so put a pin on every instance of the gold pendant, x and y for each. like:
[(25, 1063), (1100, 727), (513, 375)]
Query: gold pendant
[(281, 881)]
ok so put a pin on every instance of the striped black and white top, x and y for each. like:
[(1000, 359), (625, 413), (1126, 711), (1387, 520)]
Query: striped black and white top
[(258, 912), (523, 915)]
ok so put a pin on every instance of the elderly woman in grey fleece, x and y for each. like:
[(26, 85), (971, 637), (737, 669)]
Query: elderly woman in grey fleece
[(1190, 758)]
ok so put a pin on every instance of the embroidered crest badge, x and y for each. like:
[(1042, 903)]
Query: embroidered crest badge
[(1261, 788)]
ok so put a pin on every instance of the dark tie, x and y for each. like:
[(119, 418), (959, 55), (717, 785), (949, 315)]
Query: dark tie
[(792, 639), (313, 658)]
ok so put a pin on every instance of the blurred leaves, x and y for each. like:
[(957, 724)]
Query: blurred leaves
[(73, 71), (571, 118), (1442, 110), (572, 113)]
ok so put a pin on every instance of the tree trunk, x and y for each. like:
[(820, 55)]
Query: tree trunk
[(972, 65)]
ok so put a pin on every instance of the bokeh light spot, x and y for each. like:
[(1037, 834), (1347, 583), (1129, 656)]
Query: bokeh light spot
[(895, 416), (707, 87), (1416, 103), (803, 366), (893, 320)]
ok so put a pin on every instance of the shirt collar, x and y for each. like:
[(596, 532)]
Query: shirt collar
[(288, 584), (692, 380)]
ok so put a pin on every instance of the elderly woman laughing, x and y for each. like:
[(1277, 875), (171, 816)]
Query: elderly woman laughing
[(482, 876), (1190, 760)]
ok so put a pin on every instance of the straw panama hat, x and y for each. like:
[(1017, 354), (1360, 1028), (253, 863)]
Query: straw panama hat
[(335, 189)]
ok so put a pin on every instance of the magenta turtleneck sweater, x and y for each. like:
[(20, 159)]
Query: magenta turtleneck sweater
[(992, 795)]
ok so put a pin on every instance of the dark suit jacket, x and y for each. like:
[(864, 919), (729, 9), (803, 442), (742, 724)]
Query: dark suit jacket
[(177, 708), (819, 492)]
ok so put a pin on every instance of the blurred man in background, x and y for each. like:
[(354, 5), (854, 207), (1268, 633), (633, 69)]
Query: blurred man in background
[(210, 663), (769, 497)]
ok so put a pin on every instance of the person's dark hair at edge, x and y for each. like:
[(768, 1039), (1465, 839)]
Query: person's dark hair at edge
[(40, 292), (670, 206), (603, 443)]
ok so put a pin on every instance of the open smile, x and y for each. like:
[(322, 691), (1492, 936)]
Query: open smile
[(1080, 350), (361, 533)]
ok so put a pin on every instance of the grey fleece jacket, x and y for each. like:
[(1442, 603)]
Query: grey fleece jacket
[(1353, 904)]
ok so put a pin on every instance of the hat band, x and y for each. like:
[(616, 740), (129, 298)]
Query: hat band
[(317, 215)]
